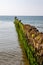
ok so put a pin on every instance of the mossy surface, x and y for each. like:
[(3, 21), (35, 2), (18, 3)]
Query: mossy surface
[(28, 48)]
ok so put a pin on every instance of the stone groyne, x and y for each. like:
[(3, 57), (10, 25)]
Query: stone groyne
[(32, 41)]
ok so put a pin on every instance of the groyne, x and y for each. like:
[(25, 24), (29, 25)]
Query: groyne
[(31, 40)]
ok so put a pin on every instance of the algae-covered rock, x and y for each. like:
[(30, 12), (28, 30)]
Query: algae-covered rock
[(32, 41), (35, 38)]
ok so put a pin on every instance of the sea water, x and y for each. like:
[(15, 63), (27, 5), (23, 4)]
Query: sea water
[(10, 50)]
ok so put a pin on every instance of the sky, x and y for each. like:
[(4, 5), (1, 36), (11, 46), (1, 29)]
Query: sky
[(21, 7)]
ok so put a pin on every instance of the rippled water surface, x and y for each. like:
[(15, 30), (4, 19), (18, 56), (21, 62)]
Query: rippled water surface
[(10, 51)]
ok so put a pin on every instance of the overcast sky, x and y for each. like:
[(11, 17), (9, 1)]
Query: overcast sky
[(21, 7)]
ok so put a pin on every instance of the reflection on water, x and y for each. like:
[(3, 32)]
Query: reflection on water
[(10, 51)]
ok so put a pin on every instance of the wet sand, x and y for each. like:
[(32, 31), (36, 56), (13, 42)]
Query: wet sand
[(10, 50)]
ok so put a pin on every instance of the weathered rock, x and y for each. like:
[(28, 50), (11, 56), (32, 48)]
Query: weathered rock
[(32, 40), (35, 38)]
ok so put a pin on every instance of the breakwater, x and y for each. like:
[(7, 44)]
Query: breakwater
[(29, 36)]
